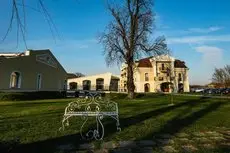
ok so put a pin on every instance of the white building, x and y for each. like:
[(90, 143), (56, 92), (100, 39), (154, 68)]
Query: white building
[(157, 74), (102, 82)]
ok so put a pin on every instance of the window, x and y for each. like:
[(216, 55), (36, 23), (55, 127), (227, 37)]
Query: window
[(162, 66), (100, 84), (168, 72), (161, 79), (147, 87), (15, 80), (179, 77), (65, 85), (86, 85), (72, 85), (39, 81), (125, 86), (146, 77)]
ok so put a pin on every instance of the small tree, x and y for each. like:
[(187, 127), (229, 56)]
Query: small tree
[(222, 76), (127, 35)]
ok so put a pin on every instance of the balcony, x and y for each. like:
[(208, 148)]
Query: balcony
[(164, 78), (163, 70), (179, 79), (159, 78)]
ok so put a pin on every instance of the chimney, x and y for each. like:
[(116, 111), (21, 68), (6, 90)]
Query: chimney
[(27, 53)]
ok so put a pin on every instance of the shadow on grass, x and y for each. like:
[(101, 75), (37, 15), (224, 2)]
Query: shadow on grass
[(50, 145), (176, 124), (179, 122)]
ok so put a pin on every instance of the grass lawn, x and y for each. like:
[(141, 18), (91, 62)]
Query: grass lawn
[(32, 126)]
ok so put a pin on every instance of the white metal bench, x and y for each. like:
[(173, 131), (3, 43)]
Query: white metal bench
[(91, 106)]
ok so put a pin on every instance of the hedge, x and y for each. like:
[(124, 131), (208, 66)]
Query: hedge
[(17, 96), (137, 95)]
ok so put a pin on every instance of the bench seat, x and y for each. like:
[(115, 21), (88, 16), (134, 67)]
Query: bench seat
[(89, 113)]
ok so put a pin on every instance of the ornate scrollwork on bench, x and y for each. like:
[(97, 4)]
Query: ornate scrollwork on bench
[(91, 106)]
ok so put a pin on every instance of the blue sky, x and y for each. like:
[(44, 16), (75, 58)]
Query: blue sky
[(197, 31)]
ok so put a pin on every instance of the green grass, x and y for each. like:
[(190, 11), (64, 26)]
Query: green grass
[(33, 125)]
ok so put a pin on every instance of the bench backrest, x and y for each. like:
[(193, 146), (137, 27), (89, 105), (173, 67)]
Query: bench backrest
[(92, 103)]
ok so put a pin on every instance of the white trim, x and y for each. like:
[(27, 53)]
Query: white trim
[(54, 64)]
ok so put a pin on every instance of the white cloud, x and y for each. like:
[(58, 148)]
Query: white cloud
[(211, 55), (198, 39), (205, 30)]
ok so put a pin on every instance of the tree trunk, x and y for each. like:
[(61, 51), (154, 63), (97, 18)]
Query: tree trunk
[(130, 83)]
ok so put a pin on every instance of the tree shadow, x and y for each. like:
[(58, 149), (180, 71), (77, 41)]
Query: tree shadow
[(176, 124), (126, 122)]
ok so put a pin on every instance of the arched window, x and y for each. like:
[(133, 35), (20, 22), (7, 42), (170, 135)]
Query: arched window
[(86, 84), (100, 84), (72, 85), (147, 87), (15, 80), (146, 77)]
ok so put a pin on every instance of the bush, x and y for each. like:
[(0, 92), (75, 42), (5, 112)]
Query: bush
[(11, 96)]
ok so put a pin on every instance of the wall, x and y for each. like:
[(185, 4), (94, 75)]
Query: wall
[(140, 81), (53, 79)]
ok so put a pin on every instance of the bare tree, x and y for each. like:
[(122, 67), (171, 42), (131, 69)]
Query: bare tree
[(127, 36), (18, 14), (79, 74), (222, 76)]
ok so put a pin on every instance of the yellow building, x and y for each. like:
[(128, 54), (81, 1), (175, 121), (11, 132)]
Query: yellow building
[(32, 70), (157, 74), (101, 82)]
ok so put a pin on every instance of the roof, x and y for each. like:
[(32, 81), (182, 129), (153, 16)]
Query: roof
[(71, 75), (103, 75), (179, 64), (29, 53), (145, 62)]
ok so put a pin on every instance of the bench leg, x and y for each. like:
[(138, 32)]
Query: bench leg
[(118, 124), (65, 121), (97, 133)]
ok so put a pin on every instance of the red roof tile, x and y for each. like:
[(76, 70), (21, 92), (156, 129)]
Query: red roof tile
[(145, 62), (179, 64)]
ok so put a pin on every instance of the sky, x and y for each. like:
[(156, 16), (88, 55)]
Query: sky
[(197, 32)]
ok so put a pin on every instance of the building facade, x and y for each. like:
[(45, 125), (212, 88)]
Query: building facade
[(157, 74), (32, 70), (99, 82)]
